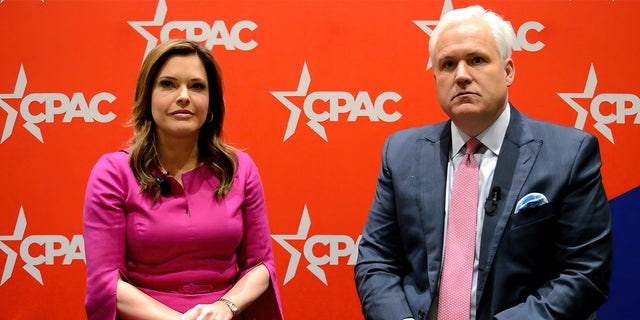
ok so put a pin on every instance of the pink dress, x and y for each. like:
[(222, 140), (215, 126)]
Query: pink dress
[(188, 248)]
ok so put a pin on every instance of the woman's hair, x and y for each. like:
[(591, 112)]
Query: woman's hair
[(502, 32), (212, 151)]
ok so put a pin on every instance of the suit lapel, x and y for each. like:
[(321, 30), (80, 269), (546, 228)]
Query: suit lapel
[(432, 156), (517, 155)]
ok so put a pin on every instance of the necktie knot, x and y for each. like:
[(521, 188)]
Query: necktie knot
[(472, 146)]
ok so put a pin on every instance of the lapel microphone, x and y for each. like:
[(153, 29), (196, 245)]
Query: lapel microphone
[(164, 184), (491, 203)]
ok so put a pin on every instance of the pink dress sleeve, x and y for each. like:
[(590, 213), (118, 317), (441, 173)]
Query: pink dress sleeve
[(104, 235), (255, 248)]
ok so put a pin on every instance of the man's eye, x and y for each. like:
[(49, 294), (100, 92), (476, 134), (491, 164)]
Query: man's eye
[(448, 65), (477, 60)]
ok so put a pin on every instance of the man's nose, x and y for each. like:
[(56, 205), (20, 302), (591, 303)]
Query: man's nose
[(462, 72)]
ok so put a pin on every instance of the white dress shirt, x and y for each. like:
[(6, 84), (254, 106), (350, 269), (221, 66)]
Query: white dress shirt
[(487, 157)]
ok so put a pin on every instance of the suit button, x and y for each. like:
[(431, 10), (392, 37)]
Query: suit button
[(420, 314)]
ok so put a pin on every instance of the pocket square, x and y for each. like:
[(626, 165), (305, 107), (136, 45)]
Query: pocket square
[(531, 200)]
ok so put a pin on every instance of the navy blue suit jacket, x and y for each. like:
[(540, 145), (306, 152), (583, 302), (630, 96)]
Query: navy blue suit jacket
[(549, 262)]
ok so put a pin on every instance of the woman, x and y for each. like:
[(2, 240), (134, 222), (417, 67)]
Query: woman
[(175, 226)]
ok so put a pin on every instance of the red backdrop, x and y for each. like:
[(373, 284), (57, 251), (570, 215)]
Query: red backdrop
[(312, 89)]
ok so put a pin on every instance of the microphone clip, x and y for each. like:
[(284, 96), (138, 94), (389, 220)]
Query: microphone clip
[(491, 203), (163, 184)]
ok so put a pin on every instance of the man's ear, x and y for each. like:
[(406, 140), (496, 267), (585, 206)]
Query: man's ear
[(510, 71)]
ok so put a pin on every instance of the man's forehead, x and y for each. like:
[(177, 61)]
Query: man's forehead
[(462, 50), (465, 39)]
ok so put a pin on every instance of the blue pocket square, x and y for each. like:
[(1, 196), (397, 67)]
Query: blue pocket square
[(531, 200)]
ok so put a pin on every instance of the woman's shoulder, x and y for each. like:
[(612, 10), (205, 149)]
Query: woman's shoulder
[(117, 156), (245, 164), (243, 156), (114, 159)]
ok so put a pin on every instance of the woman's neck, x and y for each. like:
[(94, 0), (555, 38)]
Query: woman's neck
[(178, 156)]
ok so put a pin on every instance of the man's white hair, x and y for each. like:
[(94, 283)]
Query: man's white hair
[(502, 32)]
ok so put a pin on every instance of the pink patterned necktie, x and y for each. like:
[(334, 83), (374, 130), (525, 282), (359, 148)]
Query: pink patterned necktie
[(455, 283)]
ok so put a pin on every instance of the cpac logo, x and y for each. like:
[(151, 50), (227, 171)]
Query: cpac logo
[(521, 42), (339, 102), (53, 245), (624, 104), (212, 35), (337, 244), (53, 104)]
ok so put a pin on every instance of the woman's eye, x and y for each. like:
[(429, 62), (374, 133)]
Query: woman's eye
[(165, 84), (198, 86)]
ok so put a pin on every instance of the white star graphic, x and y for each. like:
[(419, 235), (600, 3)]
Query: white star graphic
[(426, 25), (12, 256), (158, 20), (18, 234), (589, 90), (303, 231), (18, 92), (294, 117), (12, 114)]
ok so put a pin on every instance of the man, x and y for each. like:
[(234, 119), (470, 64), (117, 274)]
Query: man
[(539, 226)]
